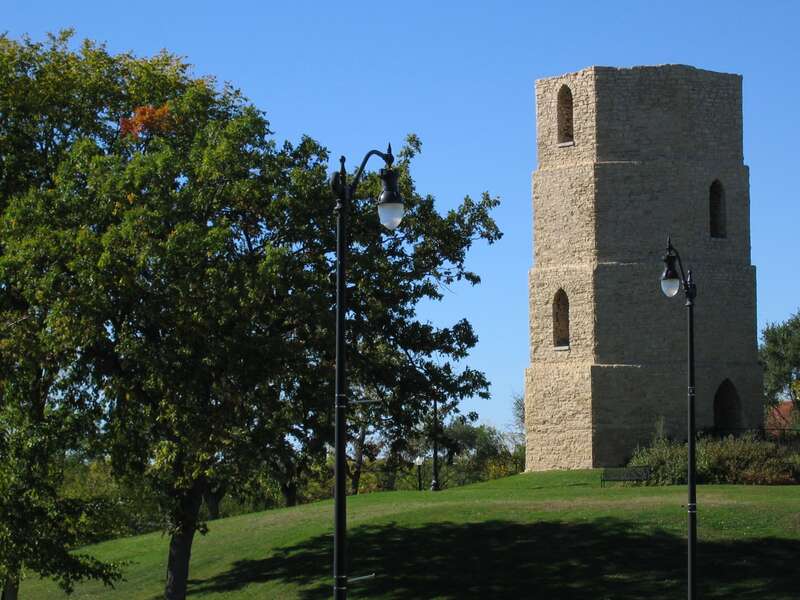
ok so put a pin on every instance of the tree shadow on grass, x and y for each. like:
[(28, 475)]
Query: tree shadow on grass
[(601, 559)]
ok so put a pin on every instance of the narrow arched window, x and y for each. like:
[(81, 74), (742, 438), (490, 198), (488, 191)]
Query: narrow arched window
[(716, 210), (565, 130), (560, 319)]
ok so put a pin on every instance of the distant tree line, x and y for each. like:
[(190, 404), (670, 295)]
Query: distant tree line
[(166, 306), (780, 357), (469, 453)]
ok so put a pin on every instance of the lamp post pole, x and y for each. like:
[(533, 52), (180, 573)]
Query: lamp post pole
[(691, 292), (419, 461), (340, 441), (671, 281), (435, 478), (390, 210)]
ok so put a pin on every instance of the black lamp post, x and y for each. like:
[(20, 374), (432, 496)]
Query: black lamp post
[(671, 283), (390, 213), (435, 476)]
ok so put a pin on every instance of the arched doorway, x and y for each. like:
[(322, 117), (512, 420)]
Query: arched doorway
[(727, 409)]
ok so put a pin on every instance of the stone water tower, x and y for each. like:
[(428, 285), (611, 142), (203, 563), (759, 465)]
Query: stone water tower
[(627, 157)]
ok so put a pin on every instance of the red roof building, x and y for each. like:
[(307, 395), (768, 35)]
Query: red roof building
[(783, 416)]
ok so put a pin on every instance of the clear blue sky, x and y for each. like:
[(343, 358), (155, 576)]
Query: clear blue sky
[(460, 74)]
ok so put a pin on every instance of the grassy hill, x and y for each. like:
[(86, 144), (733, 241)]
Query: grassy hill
[(544, 535)]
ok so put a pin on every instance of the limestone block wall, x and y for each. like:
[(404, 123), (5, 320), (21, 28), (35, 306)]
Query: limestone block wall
[(637, 204), (629, 402), (667, 112), (583, 148), (558, 415), (647, 143), (636, 324), (544, 283), (563, 215), (558, 383)]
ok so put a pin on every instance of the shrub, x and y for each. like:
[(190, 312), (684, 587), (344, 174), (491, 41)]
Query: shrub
[(744, 459), (667, 460)]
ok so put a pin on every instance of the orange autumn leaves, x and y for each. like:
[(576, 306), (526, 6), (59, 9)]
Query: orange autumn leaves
[(146, 119)]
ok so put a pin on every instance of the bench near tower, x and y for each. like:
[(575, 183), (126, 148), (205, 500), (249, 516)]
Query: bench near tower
[(626, 157)]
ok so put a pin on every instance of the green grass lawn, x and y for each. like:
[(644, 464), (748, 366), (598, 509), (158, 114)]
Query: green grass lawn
[(543, 535)]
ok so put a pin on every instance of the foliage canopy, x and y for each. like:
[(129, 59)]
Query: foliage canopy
[(780, 356), (166, 288)]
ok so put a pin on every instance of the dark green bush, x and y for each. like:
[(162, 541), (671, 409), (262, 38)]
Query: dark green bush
[(744, 459)]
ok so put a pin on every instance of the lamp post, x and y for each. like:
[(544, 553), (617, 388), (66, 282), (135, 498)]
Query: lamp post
[(435, 476), (390, 213), (671, 283), (419, 461)]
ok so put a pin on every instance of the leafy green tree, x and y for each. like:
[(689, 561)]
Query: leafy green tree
[(476, 452), (396, 362), (49, 99), (125, 245), (42, 417), (516, 431), (780, 357), (463, 438), (518, 413), (128, 506), (183, 261)]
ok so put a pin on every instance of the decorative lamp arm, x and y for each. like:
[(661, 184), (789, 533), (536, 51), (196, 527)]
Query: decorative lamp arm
[(339, 180)]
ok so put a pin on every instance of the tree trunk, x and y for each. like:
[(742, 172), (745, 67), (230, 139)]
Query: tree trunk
[(212, 500), (11, 588), (390, 480), (180, 546), (289, 491), (358, 463)]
